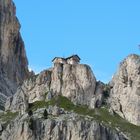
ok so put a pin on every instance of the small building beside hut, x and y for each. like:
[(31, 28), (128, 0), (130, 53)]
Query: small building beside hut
[(74, 59), (59, 60)]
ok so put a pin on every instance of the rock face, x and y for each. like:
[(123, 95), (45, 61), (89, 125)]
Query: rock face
[(60, 128), (13, 61), (125, 93), (76, 82), (19, 102)]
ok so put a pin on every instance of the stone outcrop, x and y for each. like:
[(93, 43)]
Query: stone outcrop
[(65, 127), (125, 93), (18, 102), (13, 61), (76, 82)]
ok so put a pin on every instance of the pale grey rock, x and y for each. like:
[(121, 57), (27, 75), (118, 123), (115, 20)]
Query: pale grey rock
[(98, 99), (49, 110), (125, 93), (49, 96), (76, 82), (65, 127), (17, 103), (38, 86), (13, 61), (56, 78), (1, 129), (35, 89), (8, 103), (56, 111)]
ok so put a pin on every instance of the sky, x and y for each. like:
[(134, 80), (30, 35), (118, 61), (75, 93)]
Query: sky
[(101, 32)]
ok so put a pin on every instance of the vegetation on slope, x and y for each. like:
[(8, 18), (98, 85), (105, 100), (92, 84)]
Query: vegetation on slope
[(7, 117), (101, 115)]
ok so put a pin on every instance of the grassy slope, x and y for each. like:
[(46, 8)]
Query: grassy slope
[(101, 115), (6, 118)]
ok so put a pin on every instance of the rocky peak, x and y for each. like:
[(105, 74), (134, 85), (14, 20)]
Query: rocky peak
[(13, 61), (76, 82), (125, 94), (68, 92), (13, 57)]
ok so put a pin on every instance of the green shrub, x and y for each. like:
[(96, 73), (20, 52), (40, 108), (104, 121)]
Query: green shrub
[(36, 105), (7, 117), (30, 112), (100, 115), (45, 114)]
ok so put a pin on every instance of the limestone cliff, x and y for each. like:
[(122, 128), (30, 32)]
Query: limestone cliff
[(13, 61), (125, 93), (61, 126), (76, 82), (76, 104)]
